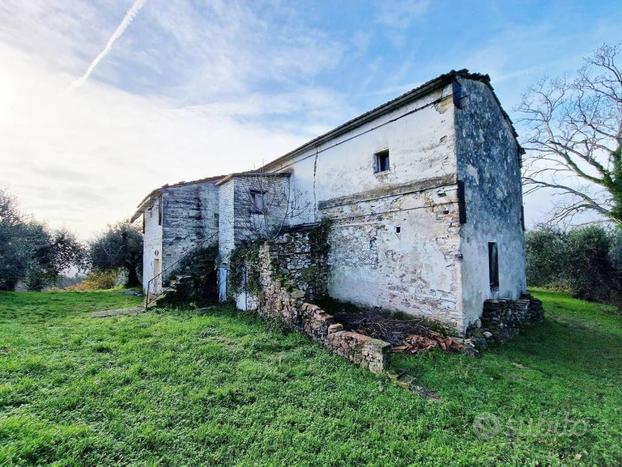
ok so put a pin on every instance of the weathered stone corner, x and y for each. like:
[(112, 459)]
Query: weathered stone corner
[(365, 351), (502, 319), (286, 299)]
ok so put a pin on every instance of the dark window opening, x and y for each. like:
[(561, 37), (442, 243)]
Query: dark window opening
[(456, 89), (522, 217), (382, 161), (398, 229), (160, 211), (493, 265), (462, 214), (257, 201)]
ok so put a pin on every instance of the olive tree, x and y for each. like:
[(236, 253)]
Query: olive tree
[(119, 247), (30, 251)]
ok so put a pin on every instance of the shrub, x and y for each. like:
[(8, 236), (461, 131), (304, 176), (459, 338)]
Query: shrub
[(545, 256), (97, 280), (586, 261), (119, 247), (589, 273)]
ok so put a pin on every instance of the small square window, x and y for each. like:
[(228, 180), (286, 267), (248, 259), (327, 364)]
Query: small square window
[(381, 161), (257, 201)]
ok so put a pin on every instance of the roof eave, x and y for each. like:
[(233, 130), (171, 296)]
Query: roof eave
[(224, 180), (371, 115), (406, 98), (143, 204)]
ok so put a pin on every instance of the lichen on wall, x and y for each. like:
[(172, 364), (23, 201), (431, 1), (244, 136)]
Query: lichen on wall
[(489, 165), (292, 270), (188, 221)]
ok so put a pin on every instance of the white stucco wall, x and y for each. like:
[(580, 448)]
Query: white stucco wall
[(226, 240), (421, 146), (415, 271), (152, 246)]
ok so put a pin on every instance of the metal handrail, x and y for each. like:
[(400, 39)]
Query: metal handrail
[(175, 263)]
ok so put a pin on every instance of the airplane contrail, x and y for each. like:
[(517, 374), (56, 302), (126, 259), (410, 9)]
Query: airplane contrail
[(127, 20)]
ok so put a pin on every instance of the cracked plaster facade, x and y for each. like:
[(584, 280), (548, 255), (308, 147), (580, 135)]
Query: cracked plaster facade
[(404, 239)]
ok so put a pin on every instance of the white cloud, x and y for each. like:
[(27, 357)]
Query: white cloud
[(65, 33), (199, 106), (400, 14), (87, 158)]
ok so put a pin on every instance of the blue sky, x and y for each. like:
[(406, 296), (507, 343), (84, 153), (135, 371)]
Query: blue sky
[(218, 86)]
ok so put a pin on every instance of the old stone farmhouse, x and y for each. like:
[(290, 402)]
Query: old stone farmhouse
[(423, 195)]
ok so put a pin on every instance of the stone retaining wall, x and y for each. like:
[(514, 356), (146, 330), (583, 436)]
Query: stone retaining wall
[(502, 319), (287, 301)]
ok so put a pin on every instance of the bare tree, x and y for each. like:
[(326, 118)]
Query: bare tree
[(574, 138)]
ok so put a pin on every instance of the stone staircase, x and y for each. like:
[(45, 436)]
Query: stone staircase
[(192, 281), (170, 287)]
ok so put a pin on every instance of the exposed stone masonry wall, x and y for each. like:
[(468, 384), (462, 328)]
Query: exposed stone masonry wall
[(502, 319), (298, 257), (239, 221), (249, 223), (304, 261), (384, 242), (189, 220), (489, 165)]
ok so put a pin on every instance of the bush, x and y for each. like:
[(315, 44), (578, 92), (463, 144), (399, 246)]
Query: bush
[(119, 247), (97, 280), (589, 272), (545, 256), (587, 261), (615, 250)]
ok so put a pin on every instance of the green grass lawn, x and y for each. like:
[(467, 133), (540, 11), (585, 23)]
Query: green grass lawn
[(184, 388)]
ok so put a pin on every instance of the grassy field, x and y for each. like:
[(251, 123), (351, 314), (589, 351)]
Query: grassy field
[(184, 388)]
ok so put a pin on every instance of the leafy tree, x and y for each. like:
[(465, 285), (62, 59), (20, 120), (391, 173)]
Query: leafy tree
[(52, 253), (573, 137), (30, 251), (589, 272), (14, 254), (546, 256), (119, 247)]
